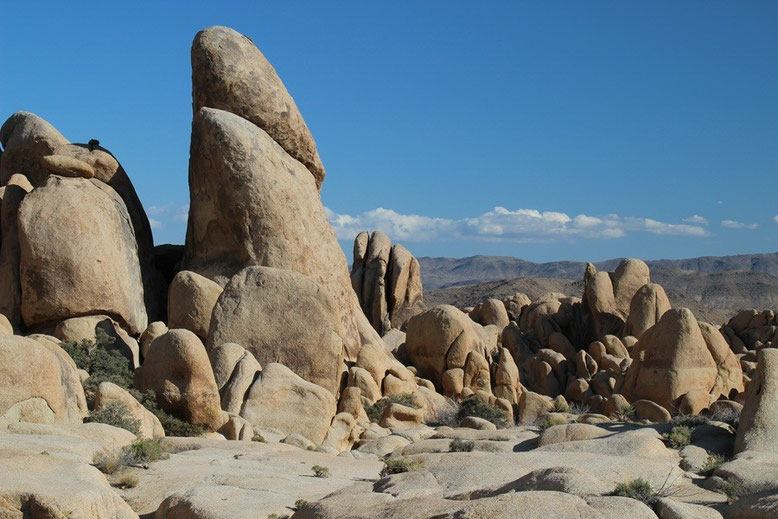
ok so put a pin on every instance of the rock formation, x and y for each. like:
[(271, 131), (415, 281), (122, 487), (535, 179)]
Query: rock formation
[(387, 280), (758, 429)]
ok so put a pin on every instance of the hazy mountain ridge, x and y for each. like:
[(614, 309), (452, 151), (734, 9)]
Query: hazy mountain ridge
[(448, 272)]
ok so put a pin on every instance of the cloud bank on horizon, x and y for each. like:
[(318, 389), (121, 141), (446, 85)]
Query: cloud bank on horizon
[(501, 224)]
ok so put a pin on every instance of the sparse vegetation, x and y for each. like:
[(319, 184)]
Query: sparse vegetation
[(578, 408), (375, 411), (689, 420), (117, 415), (733, 491), (320, 471), (299, 503), (728, 416), (126, 480), (625, 413), (679, 436), (101, 362), (713, 462), (639, 489), (172, 425), (139, 453), (549, 420), (560, 405), (459, 445), (258, 438), (473, 406), (400, 465)]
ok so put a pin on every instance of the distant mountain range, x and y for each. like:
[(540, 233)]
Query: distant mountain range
[(714, 287), (440, 273)]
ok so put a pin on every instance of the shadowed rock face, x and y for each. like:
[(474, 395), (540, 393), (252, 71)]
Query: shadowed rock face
[(254, 205), (230, 73), (758, 429)]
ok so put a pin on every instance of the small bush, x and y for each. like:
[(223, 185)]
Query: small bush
[(713, 462), (550, 420), (375, 411), (560, 405), (689, 420), (475, 407), (101, 362), (400, 465), (459, 445), (639, 489), (172, 425), (625, 413), (679, 436), (577, 408), (107, 462), (126, 480), (258, 438), (142, 451), (299, 504), (320, 471), (117, 415)]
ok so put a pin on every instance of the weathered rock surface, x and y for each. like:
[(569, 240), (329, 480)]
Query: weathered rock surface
[(79, 255), (38, 383), (648, 305), (281, 400), (282, 316), (26, 139), (191, 298), (758, 428), (178, 370), (230, 73), (672, 359), (274, 218), (387, 280)]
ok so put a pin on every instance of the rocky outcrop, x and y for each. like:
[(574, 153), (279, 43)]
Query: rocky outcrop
[(93, 271), (274, 219), (607, 296), (672, 358), (38, 383), (281, 400), (648, 305), (108, 393), (35, 149), (178, 370), (387, 280), (230, 73), (439, 340), (758, 427), (282, 316), (11, 296), (191, 298), (87, 328), (490, 311)]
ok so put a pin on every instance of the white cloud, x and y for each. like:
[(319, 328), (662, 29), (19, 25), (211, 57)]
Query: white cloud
[(501, 224), (155, 224), (166, 213), (696, 219), (733, 224), (775, 218)]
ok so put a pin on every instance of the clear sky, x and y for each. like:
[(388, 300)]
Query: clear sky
[(543, 130)]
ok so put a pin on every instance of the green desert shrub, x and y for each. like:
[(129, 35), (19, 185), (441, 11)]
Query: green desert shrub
[(473, 406), (459, 445), (117, 415), (143, 451), (172, 425), (625, 413), (639, 489), (101, 362), (375, 411), (300, 503), (561, 405), (320, 471), (126, 480), (713, 462), (679, 436), (550, 420), (400, 465)]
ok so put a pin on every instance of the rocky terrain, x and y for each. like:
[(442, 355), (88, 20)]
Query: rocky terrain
[(715, 289), (249, 373)]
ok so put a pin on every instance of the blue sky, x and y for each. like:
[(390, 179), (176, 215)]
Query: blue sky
[(544, 130)]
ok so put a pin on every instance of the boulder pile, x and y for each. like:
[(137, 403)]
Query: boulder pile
[(113, 351)]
